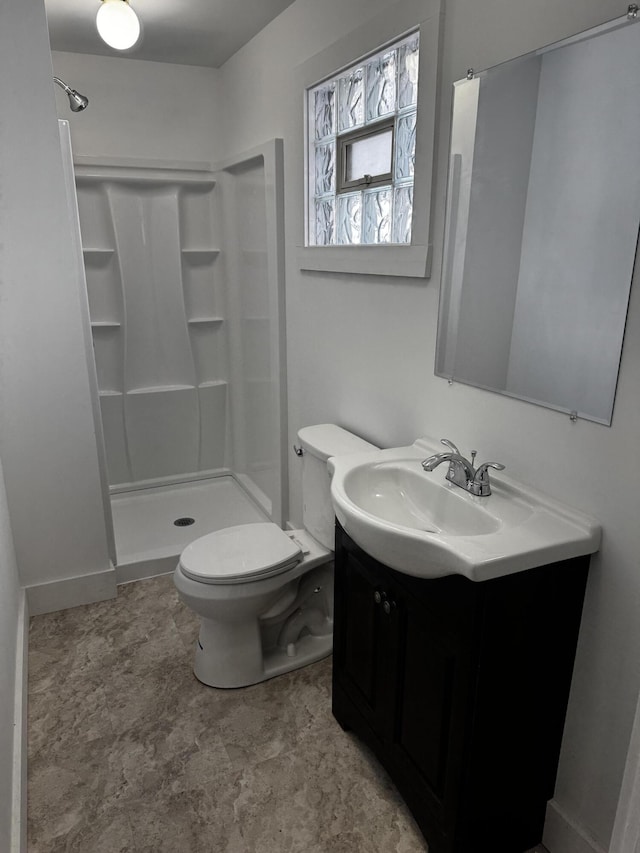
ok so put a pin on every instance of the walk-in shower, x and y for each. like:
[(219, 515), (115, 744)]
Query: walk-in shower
[(184, 282)]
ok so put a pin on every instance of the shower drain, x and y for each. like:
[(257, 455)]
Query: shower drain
[(184, 522)]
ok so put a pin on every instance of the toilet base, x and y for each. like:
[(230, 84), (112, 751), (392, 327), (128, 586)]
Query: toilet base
[(293, 627), (276, 661)]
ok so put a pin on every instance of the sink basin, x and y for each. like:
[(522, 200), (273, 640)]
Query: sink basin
[(399, 493), (420, 524)]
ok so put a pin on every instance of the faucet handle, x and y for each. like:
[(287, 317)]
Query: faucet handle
[(481, 482), (482, 471), (450, 445)]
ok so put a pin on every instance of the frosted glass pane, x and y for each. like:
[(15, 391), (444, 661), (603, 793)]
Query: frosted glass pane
[(377, 216), (362, 122), (325, 219), (369, 156), (349, 218), (324, 111), (381, 85), (402, 214), (405, 146), (408, 55), (351, 100), (325, 168)]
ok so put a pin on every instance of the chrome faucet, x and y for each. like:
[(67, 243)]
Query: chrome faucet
[(462, 472)]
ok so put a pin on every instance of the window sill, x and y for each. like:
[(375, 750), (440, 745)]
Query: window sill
[(407, 261)]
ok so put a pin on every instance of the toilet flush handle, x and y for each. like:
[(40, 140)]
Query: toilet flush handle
[(297, 450)]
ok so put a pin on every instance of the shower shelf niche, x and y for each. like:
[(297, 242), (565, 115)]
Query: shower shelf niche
[(200, 255), (159, 389), (96, 252), (142, 173)]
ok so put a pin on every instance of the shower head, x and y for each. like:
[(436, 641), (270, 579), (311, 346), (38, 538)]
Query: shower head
[(77, 102)]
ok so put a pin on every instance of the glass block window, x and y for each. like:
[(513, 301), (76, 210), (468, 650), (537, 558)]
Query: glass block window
[(362, 143)]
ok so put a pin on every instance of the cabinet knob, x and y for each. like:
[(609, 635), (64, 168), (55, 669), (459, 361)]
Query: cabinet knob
[(388, 606), (377, 597)]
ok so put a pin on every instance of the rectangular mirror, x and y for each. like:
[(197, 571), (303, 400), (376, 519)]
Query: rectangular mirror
[(543, 211)]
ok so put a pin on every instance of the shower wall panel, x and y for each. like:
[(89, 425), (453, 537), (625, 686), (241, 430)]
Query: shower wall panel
[(158, 319), (250, 195)]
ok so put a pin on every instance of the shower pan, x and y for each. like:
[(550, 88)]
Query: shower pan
[(184, 274)]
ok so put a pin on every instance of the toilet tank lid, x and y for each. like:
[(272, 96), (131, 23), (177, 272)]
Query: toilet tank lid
[(325, 440)]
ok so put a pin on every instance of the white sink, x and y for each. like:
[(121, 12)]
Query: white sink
[(420, 524)]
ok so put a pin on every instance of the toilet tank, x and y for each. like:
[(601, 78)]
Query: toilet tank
[(318, 444)]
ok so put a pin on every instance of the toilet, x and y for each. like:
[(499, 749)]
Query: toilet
[(265, 596)]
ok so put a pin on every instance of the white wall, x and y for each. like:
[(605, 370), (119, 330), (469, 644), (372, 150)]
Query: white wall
[(9, 621), (361, 353), (141, 109), (46, 425)]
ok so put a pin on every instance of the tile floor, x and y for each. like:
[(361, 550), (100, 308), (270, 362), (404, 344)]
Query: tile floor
[(128, 753)]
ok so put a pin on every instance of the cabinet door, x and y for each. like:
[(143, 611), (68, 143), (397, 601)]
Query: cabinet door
[(433, 685), (367, 618)]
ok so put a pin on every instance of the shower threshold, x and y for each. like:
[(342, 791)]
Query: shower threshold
[(148, 540)]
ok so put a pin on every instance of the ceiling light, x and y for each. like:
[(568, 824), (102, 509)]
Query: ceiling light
[(118, 24)]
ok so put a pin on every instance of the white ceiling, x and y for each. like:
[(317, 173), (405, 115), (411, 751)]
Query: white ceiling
[(189, 32)]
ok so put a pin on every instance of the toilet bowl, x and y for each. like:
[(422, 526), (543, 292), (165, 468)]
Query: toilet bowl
[(265, 596)]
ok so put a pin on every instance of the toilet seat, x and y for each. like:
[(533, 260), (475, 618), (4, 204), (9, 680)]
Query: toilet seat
[(239, 554)]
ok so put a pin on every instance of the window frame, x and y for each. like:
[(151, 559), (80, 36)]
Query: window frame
[(412, 259), (343, 140)]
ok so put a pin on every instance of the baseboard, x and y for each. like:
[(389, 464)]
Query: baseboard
[(563, 835), (19, 781), (71, 592), (141, 569)]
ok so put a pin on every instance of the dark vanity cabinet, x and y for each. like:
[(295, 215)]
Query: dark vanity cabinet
[(460, 689)]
